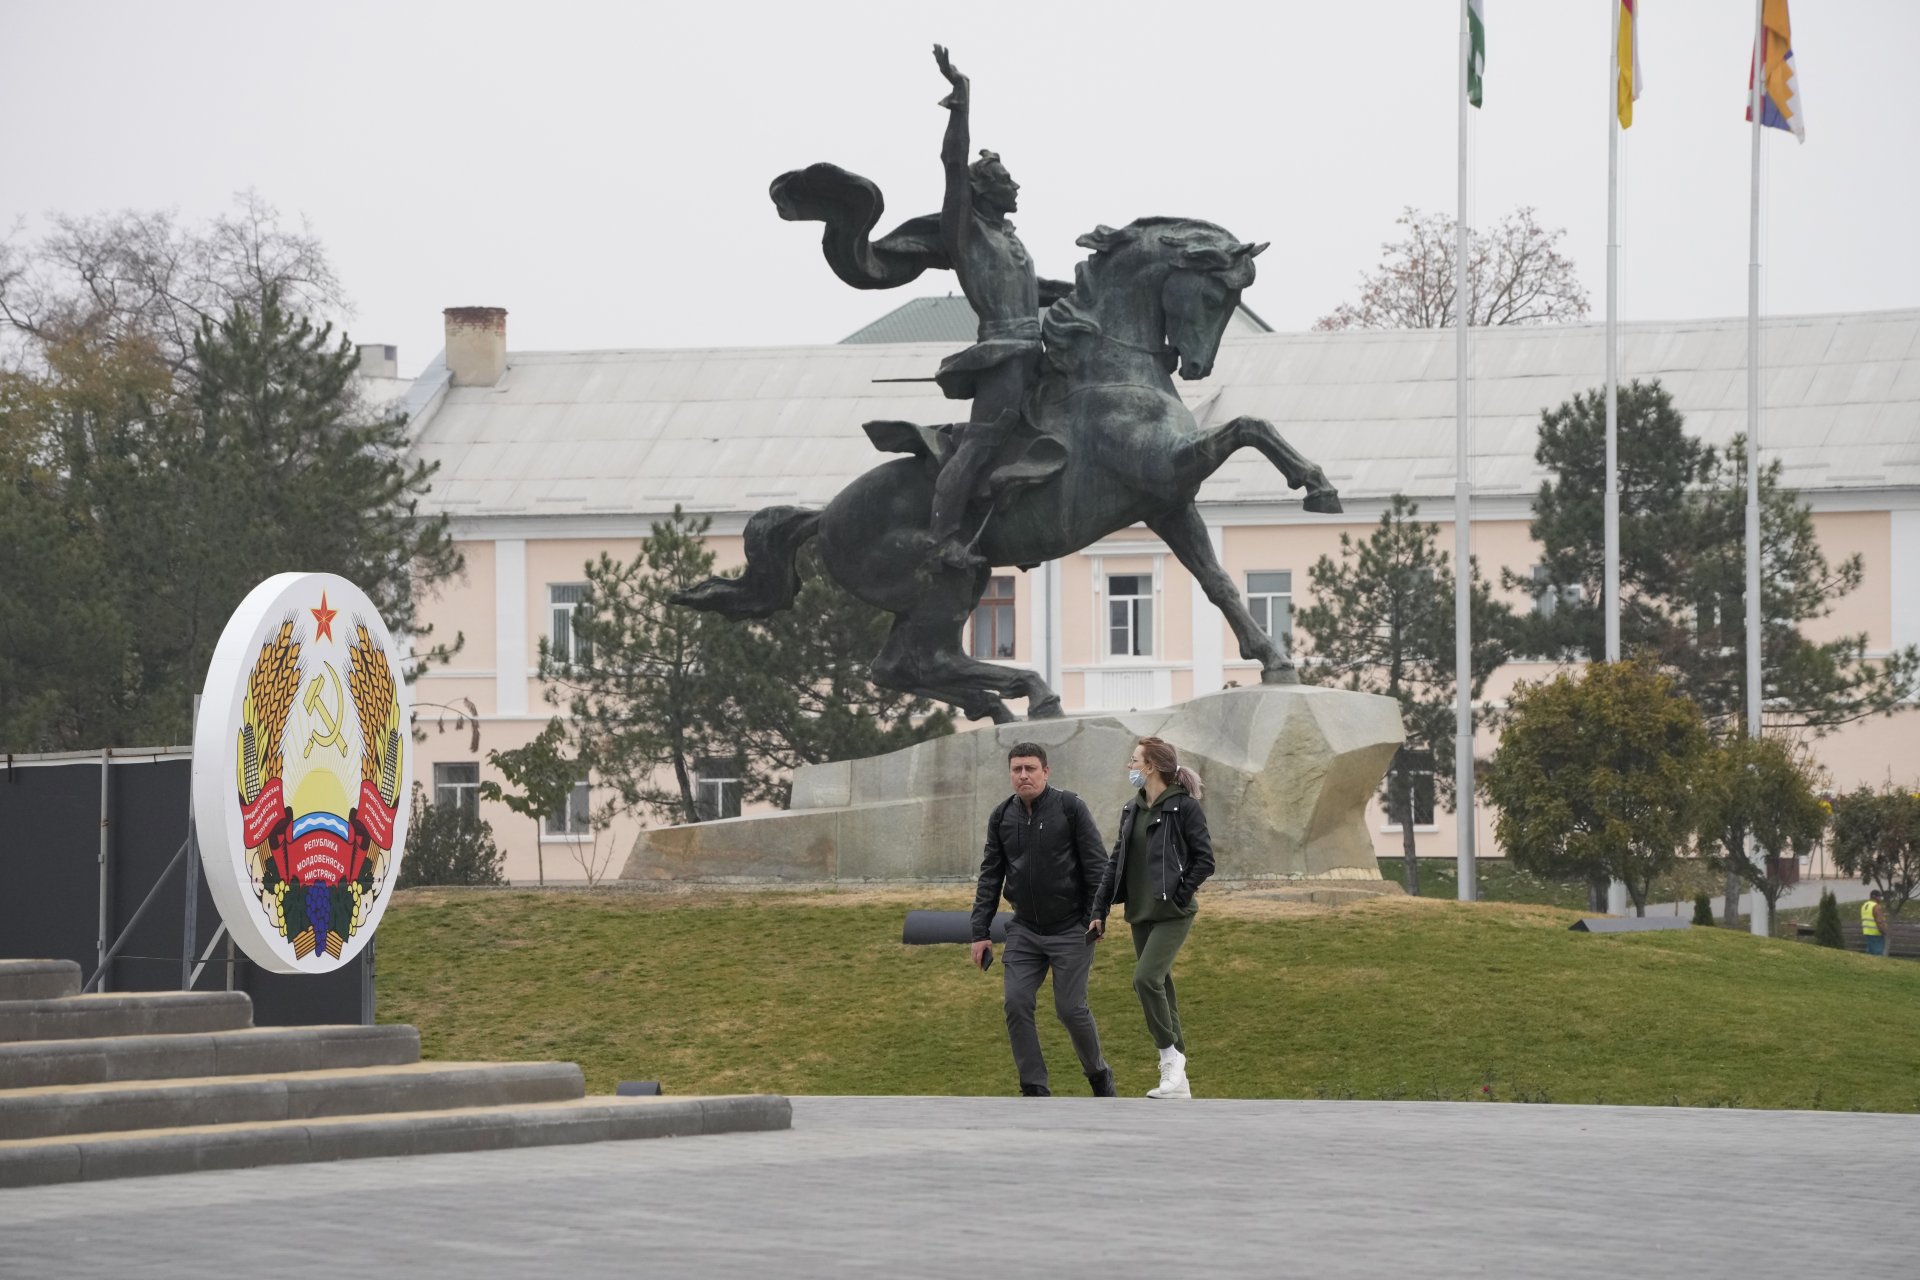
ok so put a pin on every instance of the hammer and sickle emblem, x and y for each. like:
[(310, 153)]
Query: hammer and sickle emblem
[(333, 718)]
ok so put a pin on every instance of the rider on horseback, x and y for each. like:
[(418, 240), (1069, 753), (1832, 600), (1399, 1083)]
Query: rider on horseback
[(997, 372)]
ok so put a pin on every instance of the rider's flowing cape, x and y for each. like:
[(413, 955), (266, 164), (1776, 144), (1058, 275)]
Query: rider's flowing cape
[(850, 205)]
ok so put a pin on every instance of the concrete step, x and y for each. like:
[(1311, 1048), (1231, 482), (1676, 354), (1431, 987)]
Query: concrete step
[(37, 1161), (38, 979), (301, 1095), (253, 1051), (130, 1013)]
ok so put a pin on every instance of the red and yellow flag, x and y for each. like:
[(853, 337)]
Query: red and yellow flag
[(1780, 94)]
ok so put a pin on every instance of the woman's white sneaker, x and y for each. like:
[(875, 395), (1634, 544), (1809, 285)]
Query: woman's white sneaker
[(1173, 1076)]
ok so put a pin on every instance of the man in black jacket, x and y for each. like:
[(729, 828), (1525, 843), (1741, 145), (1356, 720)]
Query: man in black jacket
[(1045, 853)]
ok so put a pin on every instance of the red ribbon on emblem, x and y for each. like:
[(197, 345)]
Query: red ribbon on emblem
[(257, 819), (376, 815)]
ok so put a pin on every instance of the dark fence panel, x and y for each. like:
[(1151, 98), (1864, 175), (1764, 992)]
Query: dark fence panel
[(49, 908), (50, 862)]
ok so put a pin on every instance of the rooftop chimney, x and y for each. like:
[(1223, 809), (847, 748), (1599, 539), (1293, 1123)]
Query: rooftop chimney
[(379, 360), (476, 345)]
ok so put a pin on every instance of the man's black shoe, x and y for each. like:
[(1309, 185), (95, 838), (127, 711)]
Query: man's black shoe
[(1035, 1091), (1102, 1083)]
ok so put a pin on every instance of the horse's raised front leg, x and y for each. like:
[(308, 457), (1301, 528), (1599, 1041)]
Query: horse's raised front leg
[(922, 656), (1186, 533), (1202, 457)]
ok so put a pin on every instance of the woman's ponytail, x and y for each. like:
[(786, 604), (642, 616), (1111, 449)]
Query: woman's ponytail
[(1165, 761)]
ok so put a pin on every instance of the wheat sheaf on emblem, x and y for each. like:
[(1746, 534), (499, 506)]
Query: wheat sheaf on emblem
[(370, 683), (271, 687)]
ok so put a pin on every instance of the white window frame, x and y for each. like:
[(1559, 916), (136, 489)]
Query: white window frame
[(1260, 605), (711, 790), (1142, 597), (575, 650), (576, 820), (459, 794)]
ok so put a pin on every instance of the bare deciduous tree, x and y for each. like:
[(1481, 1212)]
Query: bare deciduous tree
[(1516, 274), (142, 274)]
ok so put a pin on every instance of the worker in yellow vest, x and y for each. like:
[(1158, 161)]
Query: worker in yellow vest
[(1873, 924)]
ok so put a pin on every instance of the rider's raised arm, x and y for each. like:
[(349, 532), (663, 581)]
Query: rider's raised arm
[(956, 210)]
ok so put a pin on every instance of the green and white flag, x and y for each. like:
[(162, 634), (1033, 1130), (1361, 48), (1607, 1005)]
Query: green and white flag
[(1476, 48)]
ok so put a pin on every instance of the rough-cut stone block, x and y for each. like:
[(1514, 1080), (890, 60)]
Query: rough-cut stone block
[(1288, 769)]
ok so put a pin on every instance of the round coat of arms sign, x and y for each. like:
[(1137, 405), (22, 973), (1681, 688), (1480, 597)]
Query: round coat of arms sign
[(299, 763)]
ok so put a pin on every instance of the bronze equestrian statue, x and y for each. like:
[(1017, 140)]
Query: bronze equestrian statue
[(1076, 431)]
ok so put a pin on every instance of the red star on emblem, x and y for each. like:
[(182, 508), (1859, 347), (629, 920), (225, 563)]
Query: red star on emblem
[(323, 620)]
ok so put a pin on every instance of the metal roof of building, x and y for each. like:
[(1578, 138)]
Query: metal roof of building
[(632, 433), (952, 319)]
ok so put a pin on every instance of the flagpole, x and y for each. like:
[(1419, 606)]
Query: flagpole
[(1468, 869), (1610, 593), (1612, 590), (1758, 922)]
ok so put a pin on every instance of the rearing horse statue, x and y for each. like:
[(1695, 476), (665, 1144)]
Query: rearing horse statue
[(1102, 442)]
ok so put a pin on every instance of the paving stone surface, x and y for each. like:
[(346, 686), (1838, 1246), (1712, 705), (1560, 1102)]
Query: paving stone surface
[(938, 1187)]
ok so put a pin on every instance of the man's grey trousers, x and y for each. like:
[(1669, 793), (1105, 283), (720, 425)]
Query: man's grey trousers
[(1026, 959)]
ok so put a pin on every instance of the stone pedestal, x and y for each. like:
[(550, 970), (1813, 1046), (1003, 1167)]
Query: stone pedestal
[(1288, 770)]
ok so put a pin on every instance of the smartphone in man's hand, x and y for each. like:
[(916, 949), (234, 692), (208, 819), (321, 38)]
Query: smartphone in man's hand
[(986, 960)]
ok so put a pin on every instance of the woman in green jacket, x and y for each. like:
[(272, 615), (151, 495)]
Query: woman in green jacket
[(1161, 858)]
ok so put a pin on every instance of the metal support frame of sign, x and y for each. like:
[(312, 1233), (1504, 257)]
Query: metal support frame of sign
[(187, 855)]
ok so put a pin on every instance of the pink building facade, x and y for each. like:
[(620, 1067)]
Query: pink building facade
[(547, 459)]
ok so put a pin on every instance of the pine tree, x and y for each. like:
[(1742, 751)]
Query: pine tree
[(1683, 570), (1826, 923), (645, 689), (1381, 621), (805, 691), (1660, 468), (180, 493), (66, 650), (657, 689)]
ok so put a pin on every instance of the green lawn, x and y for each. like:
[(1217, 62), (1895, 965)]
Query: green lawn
[(1395, 999), (1500, 881)]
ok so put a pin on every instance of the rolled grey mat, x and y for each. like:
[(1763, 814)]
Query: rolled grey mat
[(926, 927), (1630, 924)]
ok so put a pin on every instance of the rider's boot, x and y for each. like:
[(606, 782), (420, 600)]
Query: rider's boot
[(951, 553), (946, 547), (957, 502)]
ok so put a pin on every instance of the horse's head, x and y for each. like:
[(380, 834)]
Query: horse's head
[(1165, 280), (1210, 268)]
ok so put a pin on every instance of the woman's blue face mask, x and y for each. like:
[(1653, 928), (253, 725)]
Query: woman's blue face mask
[(1136, 779)]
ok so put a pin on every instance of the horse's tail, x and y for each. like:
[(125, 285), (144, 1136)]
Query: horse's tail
[(770, 581)]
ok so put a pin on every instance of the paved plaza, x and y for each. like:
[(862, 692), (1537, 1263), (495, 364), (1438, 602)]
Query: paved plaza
[(1014, 1187)]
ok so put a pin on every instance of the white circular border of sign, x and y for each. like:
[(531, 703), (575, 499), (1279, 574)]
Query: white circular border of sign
[(321, 747)]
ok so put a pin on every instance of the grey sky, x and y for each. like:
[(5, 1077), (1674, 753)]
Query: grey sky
[(601, 170)]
